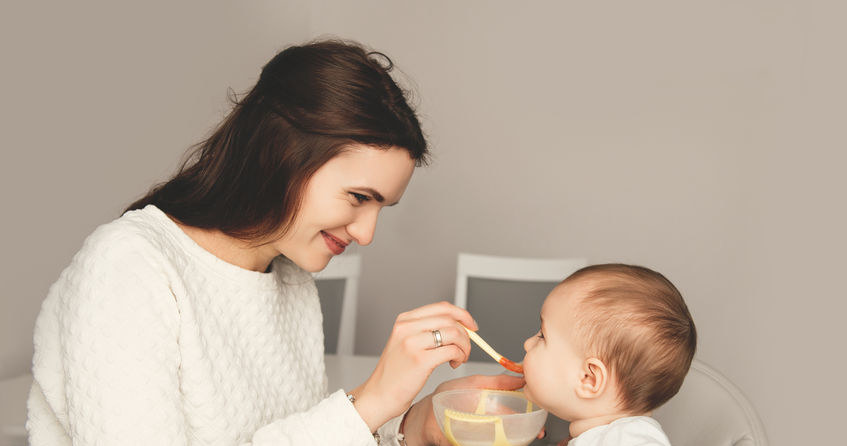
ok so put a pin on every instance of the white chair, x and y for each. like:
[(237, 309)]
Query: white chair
[(492, 288), (709, 410), (338, 286), (13, 395)]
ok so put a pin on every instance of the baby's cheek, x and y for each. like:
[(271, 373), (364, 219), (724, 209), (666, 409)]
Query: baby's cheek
[(534, 390), (528, 389), (529, 377)]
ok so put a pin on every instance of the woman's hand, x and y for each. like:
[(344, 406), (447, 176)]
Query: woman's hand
[(420, 427), (409, 358)]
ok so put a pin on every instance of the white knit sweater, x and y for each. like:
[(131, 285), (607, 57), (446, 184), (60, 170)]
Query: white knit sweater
[(149, 339)]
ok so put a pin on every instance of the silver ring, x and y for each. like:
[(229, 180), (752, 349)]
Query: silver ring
[(437, 335)]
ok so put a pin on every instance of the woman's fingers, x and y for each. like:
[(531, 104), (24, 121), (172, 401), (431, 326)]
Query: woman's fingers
[(440, 308), (457, 336), (429, 323), (441, 316), (449, 335), (444, 354)]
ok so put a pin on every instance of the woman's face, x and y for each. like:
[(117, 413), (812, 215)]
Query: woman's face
[(342, 201)]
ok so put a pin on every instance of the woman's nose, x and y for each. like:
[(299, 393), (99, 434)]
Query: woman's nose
[(362, 229)]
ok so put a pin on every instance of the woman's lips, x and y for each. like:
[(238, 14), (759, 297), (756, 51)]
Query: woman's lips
[(335, 245)]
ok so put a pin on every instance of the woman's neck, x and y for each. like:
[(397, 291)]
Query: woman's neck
[(230, 249)]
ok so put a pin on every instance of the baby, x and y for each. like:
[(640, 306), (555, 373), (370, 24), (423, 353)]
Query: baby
[(615, 343)]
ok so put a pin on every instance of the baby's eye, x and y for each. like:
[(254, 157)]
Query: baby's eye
[(361, 198), (540, 335)]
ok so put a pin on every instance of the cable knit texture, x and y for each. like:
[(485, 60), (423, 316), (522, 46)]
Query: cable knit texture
[(148, 339)]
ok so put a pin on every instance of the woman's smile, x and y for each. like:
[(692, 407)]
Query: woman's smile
[(335, 244), (342, 201)]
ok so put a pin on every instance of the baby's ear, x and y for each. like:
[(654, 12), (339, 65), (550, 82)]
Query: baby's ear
[(595, 378)]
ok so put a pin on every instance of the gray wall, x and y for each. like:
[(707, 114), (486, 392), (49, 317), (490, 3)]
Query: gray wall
[(702, 140)]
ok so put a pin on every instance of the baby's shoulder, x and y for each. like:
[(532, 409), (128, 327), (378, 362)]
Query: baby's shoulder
[(628, 431)]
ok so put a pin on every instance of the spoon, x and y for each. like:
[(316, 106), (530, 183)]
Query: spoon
[(505, 362)]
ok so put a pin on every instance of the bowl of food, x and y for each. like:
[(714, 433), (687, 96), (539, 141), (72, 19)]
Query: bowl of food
[(482, 417)]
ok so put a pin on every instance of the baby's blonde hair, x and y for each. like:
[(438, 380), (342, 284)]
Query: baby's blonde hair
[(635, 321)]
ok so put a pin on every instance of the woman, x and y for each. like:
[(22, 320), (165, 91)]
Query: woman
[(193, 318)]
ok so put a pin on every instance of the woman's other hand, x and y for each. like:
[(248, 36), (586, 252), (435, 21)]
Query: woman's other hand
[(409, 358), (420, 426)]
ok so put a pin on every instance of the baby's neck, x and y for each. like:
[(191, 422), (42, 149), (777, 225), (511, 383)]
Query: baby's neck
[(577, 427)]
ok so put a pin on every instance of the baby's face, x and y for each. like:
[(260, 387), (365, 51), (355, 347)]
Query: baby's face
[(553, 362)]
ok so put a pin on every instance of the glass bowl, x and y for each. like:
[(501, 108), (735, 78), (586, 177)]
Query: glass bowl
[(481, 417)]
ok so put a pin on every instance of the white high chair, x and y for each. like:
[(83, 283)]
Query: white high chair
[(710, 411)]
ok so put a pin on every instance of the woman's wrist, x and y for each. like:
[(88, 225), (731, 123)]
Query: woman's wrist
[(368, 408)]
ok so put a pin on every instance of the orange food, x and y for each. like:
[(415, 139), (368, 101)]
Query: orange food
[(510, 365)]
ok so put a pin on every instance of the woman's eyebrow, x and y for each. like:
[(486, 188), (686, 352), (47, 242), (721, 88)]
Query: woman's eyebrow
[(377, 196)]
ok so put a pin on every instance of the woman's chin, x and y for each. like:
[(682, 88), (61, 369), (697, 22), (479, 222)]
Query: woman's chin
[(312, 263)]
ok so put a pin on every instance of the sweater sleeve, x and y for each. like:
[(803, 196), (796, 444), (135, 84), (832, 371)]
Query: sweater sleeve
[(116, 331), (332, 421)]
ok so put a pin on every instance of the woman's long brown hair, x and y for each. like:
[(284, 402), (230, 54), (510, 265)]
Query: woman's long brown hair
[(248, 177)]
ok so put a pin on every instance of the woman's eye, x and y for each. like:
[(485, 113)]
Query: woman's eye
[(360, 197)]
